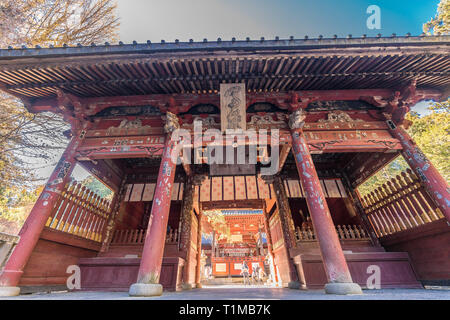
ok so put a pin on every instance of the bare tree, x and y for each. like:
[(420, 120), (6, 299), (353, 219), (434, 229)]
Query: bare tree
[(55, 22), (27, 140)]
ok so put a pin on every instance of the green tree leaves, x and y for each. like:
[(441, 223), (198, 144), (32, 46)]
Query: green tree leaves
[(440, 24), (432, 134)]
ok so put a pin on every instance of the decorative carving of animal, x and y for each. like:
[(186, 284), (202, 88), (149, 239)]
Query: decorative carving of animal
[(297, 119)]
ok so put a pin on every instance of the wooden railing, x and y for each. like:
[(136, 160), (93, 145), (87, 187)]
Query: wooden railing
[(81, 212), (401, 203), (137, 236), (349, 232)]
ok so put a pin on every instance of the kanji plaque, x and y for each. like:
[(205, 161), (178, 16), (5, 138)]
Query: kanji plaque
[(232, 106)]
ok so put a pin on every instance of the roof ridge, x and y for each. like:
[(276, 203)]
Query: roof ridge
[(262, 42)]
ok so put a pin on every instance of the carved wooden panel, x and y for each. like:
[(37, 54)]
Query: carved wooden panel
[(232, 106)]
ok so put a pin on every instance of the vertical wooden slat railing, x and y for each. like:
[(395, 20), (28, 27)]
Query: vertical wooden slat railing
[(137, 236), (345, 232), (80, 211), (402, 203)]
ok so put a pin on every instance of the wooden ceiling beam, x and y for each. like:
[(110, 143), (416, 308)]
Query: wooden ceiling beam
[(222, 77), (283, 155), (232, 204)]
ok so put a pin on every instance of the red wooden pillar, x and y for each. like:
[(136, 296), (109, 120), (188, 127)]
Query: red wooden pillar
[(186, 228), (336, 269), (186, 231), (287, 225), (432, 180), (33, 226), (269, 243), (198, 269), (152, 254)]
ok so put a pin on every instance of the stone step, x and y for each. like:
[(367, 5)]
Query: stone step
[(118, 274)]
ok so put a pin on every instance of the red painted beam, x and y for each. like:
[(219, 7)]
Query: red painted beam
[(178, 103), (121, 147)]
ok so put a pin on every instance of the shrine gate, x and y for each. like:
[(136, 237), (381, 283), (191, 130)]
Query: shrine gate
[(320, 116)]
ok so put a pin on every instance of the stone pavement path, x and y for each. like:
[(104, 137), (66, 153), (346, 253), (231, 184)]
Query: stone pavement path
[(233, 292)]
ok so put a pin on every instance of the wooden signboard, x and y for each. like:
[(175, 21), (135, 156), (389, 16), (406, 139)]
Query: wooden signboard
[(232, 106)]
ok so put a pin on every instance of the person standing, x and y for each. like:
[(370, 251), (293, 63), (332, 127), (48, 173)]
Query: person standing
[(245, 273), (255, 275), (261, 275)]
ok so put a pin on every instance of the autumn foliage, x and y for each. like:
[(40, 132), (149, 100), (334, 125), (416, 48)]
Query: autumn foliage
[(31, 141)]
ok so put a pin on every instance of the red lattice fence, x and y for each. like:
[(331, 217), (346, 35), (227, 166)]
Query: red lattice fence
[(401, 203), (81, 212)]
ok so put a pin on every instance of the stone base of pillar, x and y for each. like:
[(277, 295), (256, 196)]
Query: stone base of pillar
[(343, 288), (9, 291), (294, 285), (198, 285), (186, 286), (145, 290), (10, 277), (303, 287)]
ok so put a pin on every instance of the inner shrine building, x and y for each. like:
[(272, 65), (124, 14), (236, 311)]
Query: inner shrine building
[(231, 153)]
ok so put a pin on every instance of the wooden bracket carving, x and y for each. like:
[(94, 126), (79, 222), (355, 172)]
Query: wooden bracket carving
[(297, 119)]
